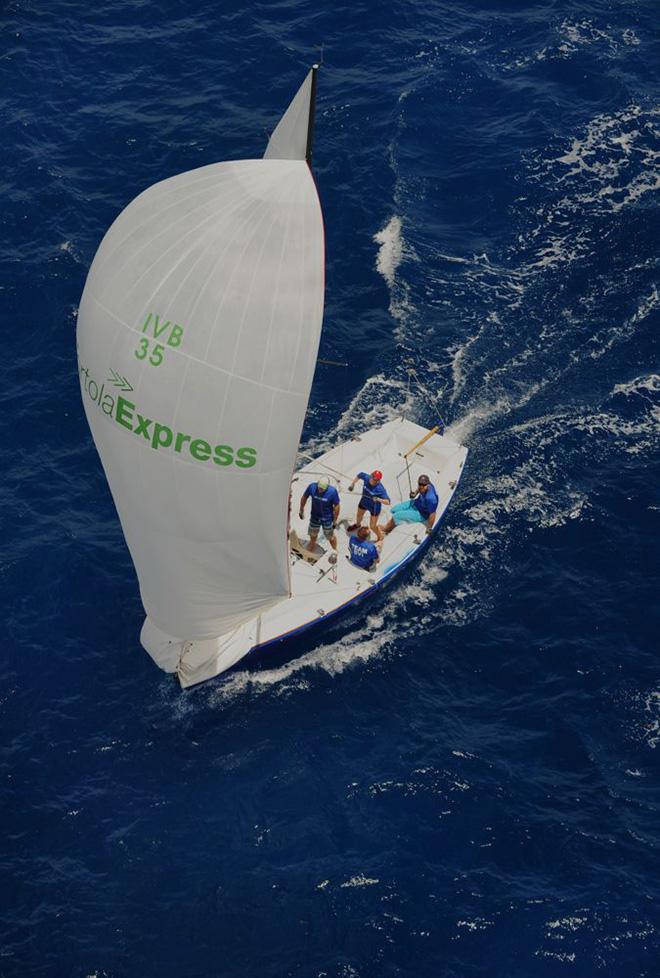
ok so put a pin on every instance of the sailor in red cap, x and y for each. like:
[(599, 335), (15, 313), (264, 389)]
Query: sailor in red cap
[(374, 495)]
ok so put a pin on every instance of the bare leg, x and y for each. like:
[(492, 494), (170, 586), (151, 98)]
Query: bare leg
[(358, 520), (313, 536), (373, 523), (389, 526), (333, 541)]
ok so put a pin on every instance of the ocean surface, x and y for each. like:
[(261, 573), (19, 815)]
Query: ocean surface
[(461, 778)]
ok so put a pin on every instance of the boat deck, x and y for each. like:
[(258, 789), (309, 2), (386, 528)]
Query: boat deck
[(323, 588), (382, 449)]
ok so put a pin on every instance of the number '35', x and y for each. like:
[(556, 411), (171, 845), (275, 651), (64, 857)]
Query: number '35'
[(157, 351)]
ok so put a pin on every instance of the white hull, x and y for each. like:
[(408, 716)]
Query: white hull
[(322, 589)]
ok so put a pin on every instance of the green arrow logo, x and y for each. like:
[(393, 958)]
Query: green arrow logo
[(118, 381)]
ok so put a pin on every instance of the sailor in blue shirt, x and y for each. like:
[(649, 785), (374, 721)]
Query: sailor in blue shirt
[(325, 510), (363, 553), (420, 508), (374, 495)]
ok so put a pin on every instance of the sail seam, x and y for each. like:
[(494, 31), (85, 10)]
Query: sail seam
[(205, 363), (221, 415), (214, 180), (209, 219), (251, 207)]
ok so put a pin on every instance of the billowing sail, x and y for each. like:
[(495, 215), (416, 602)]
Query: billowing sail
[(292, 137), (198, 333)]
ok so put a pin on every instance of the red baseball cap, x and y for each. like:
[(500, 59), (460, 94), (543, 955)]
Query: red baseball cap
[(377, 475)]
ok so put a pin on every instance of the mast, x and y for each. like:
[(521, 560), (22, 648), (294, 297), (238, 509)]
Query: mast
[(310, 120)]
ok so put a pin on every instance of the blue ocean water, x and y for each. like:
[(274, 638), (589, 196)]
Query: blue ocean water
[(460, 779)]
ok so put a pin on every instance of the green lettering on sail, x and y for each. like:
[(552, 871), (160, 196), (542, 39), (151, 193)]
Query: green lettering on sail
[(160, 436), (156, 328)]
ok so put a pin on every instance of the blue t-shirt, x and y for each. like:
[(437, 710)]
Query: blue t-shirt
[(372, 492), (322, 503), (363, 553), (426, 502)]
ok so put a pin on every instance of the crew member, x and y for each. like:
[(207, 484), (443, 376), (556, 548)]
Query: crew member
[(325, 510), (374, 495), (420, 508), (363, 553)]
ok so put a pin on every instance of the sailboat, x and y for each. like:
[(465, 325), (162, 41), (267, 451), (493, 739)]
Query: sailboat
[(198, 335)]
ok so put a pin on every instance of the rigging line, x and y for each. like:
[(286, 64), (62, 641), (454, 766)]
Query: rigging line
[(409, 479), (344, 492), (324, 465), (433, 398), (332, 363)]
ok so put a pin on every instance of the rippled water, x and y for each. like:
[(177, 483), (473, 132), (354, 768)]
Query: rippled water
[(462, 779)]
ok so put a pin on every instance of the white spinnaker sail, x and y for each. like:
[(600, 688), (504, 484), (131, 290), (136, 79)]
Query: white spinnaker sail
[(198, 333), (291, 138)]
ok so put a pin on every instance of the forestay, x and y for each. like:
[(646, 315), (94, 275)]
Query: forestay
[(198, 333)]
